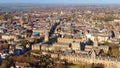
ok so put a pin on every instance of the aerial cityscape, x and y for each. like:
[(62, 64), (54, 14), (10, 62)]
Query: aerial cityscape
[(59, 34)]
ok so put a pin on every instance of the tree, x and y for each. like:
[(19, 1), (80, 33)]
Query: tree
[(7, 16), (1, 17), (24, 43), (21, 59), (5, 64), (6, 46)]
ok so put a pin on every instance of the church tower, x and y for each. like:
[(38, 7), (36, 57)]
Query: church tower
[(93, 54), (95, 42)]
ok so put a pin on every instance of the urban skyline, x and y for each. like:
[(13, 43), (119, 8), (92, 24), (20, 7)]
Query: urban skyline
[(62, 1)]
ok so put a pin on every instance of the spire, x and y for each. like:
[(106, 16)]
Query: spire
[(95, 42), (93, 54)]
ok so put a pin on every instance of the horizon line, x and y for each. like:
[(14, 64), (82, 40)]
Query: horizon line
[(63, 3)]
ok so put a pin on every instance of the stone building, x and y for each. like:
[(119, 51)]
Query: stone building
[(96, 47), (75, 46), (46, 38), (107, 62), (36, 47)]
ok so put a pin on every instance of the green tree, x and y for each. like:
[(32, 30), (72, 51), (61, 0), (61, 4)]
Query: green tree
[(24, 43), (6, 46)]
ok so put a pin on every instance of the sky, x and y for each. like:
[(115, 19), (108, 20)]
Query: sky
[(63, 1)]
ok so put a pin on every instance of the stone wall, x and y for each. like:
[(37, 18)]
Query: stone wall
[(107, 61)]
